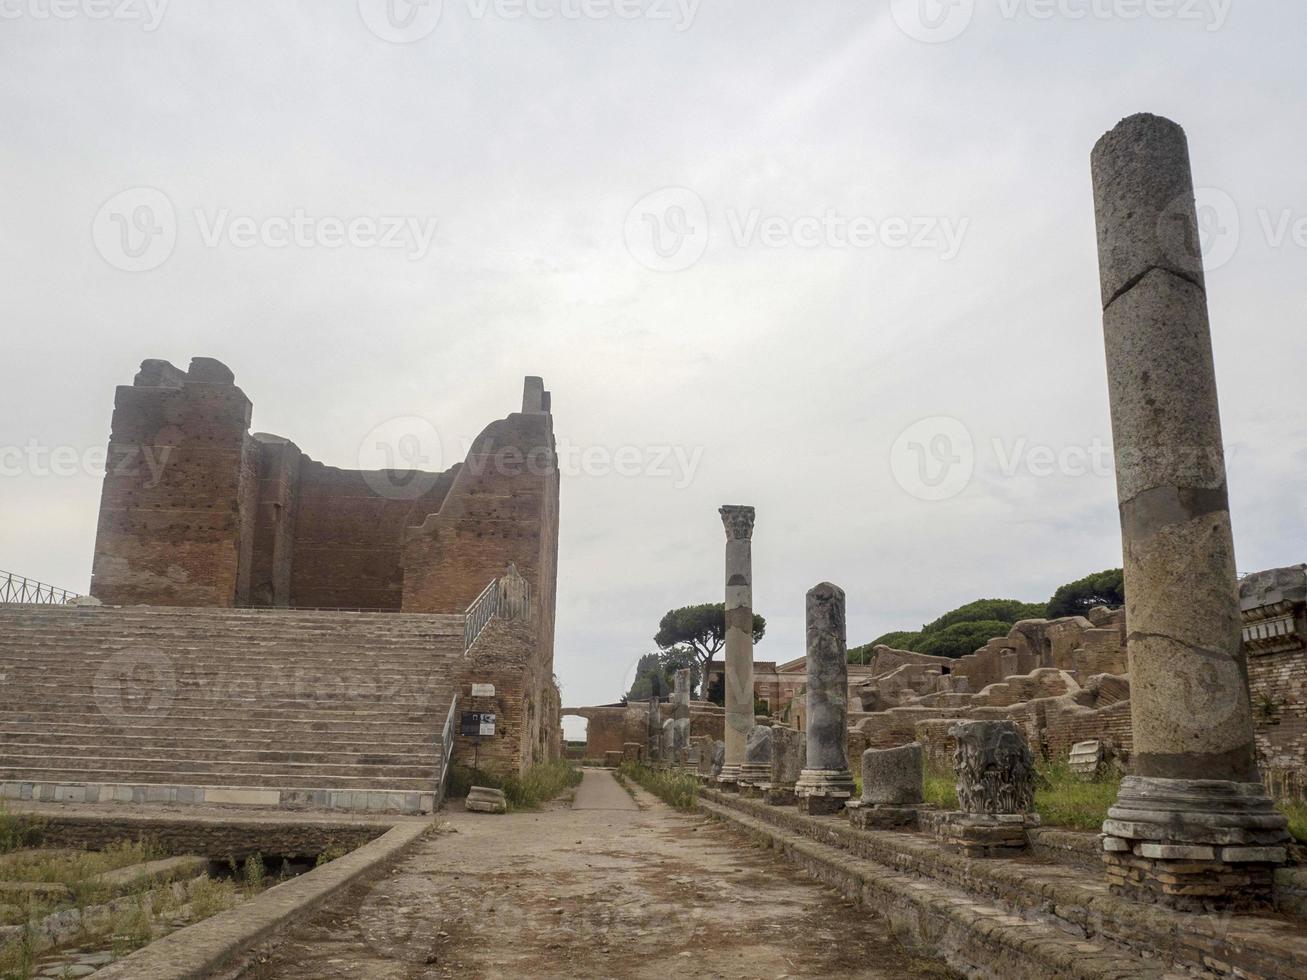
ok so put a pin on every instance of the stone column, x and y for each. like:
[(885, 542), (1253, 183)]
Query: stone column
[(1192, 826), (826, 783), (681, 719), (739, 638), (654, 732)]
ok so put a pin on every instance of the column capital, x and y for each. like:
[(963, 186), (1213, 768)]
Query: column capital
[(738, 521)]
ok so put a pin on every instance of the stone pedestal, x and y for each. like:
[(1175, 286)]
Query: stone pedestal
[(826, 783), (891, 789), (632, 752), (787, 757), (757, 756), (1195, 788), (996, 790), (738, 522)]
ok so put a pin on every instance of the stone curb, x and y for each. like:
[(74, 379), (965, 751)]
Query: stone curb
[(978, 940), (1258, 946), (199, 951)]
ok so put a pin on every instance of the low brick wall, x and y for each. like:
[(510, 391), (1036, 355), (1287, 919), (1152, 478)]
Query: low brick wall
[(219, 840)]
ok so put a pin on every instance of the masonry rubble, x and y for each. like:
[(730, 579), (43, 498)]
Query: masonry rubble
[(788, 751), (1192, 826)]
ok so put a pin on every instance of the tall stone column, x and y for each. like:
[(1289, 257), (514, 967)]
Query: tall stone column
[(1192, 826), (654, 732), (681, 719), (826, 783), (739, 638)]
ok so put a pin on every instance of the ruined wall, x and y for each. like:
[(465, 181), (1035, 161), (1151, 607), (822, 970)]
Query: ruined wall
[(180, 469), (525, 702), (349, 533)]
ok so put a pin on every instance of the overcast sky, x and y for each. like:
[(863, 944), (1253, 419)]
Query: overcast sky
[(832, 259)]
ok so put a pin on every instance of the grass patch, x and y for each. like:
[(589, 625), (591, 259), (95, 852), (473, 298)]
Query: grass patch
[(1062, 799), (675, 787), (18, 831), (539, 784), (1297, 814), (940, 788)]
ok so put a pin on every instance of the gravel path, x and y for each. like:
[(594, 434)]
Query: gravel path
[(605, 887)]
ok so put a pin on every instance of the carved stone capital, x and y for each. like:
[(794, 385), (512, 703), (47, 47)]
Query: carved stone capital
[(738, 521)]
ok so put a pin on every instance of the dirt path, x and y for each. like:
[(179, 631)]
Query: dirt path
[(602, 888)]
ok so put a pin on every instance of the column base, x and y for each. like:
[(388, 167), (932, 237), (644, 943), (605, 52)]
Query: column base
[(986, 835), (822, 792), (729, 779), (1194, 844), (775, 794), (867, 816), (752, 772)]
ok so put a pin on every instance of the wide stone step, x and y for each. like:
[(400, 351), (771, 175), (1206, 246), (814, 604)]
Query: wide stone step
[(270, 740), (33, 754), (222, 725), (184, 777), (226, 767)]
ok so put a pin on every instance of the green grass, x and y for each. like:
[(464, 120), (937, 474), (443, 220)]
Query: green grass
[(1061, 798), (539, 784), (18, 831), (1297, 814), (1064, 800), (675, 787)]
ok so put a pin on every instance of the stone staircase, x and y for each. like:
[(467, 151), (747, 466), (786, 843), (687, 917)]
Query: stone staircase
[(282, 708)]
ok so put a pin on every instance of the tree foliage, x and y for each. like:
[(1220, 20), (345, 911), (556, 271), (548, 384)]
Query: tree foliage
[(958, 632), (1100, 589), (655, 673), (701, 629)]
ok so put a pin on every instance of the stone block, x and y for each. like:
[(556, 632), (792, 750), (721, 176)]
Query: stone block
[(1176, 852), (484, 799), (1254, 855), (893, 777)]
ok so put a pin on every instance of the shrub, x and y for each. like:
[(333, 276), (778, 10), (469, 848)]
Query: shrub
[(1297, 814), (18, 831), (675, 787), (940, 787)]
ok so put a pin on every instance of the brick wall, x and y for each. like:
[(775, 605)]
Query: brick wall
[(170, 529), (1278, 684)]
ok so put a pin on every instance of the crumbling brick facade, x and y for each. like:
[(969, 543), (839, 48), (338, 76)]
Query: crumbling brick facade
[(197, 511)]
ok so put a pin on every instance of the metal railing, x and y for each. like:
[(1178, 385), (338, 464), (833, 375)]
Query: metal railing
[(508, 597), (17, 590), (446, 752)]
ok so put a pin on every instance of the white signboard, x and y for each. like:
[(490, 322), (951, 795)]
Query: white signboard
[(487, 725), (483, 690)]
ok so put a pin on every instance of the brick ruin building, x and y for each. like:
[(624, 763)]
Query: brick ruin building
[(273, 630)]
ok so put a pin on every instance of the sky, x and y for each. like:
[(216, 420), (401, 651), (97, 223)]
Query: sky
[(832, 259)]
